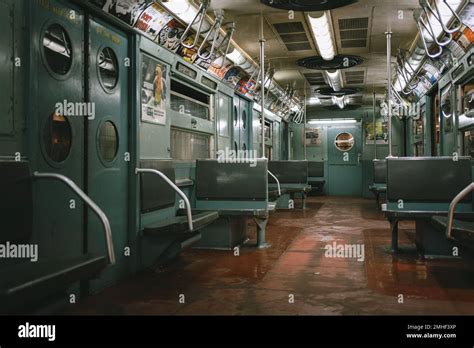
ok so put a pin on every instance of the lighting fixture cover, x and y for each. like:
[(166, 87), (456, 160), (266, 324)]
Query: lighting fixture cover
[(339, 62), (347, 107), (322, 31), (307, 5), (332, 121), (330, 92)]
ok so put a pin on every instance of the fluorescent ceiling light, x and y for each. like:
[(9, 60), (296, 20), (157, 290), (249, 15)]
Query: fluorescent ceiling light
[(322, 31), (334, 79), (314, 101), (333, 121)]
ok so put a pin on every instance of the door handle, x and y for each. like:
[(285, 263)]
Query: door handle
[(359, 155)]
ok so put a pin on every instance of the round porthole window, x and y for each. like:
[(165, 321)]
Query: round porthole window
[(57, 49), (236, 117), (57, 137), (244, 119), (108, 68), (344, 141), (108, 141)]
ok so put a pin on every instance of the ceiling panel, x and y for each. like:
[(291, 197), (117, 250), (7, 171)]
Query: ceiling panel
[(358, 29)]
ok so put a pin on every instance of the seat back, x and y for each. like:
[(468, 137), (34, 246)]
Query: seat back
[(380, 171), (290, 172), (16, 202), (156, 194), (231, 181), (316, 169), (427, 179)]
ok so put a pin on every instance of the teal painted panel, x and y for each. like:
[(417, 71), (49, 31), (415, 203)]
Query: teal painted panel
[(367, 178), (284, 140), (185, 170), (461, 207), (276, 141), (58, 224), (256, 132), (345, 168), (245, 124), (235, 143), (345, 180), (231, 205), (350, 157), (12, 52), (194, 124), (108, 171), (297, 142), (6, 67)]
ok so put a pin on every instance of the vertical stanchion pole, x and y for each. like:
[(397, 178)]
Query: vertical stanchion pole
[(389, 89), (375, 127), (304, 130), (262, 74), (261, 223)]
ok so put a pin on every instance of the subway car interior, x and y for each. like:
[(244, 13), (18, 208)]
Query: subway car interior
[(251, 157)]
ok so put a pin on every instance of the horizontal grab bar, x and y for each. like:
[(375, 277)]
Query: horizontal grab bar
[(459, 197), (277, 181), (176, 188), (100, 214)]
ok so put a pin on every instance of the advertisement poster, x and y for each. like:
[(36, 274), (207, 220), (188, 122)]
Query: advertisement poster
[(381, 132), (313, 137), (126, 10), (152, 21), (153, 91), (247, 87), (233, 76), (204, 63), (218, 69), (189, 54), (171, 34)]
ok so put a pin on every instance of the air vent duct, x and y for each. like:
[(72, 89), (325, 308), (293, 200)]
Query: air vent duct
[(307, 5), (354, 32), (316, 79), (293, 35), (339, 62), (355, 77)]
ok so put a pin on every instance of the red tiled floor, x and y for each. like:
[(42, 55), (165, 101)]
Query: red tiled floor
[(263, 281)]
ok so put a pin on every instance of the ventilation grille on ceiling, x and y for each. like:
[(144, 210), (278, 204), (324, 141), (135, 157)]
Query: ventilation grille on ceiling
[(316, 79), (354, 32), (354, 77), (293, 36)]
